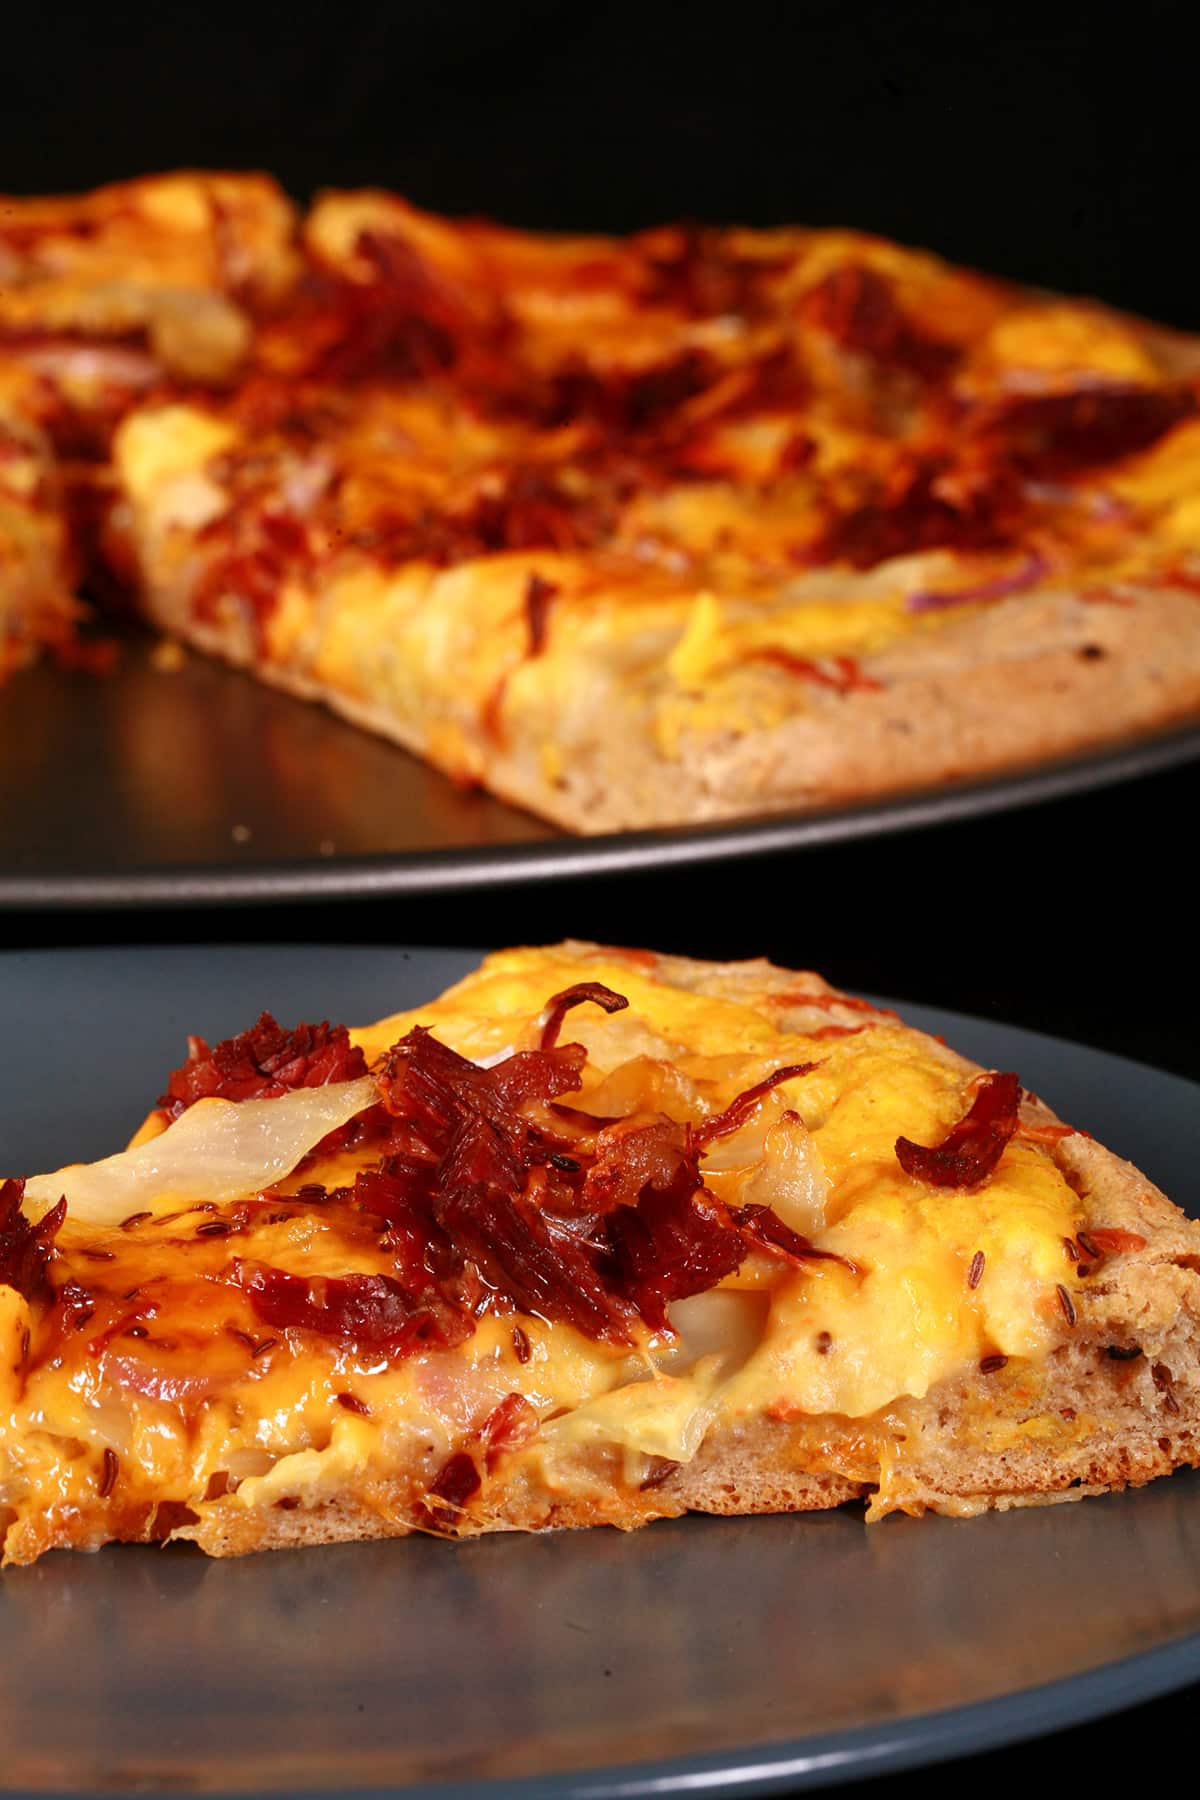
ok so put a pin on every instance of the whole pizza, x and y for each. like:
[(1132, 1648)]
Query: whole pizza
[(687, 526)]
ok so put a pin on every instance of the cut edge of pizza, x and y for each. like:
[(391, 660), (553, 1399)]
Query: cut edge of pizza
[(598, 1236)]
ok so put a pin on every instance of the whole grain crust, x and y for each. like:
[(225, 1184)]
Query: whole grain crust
[(1029, 681)]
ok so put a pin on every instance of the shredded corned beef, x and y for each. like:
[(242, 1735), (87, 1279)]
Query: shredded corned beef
[(840, 673), (1049, 435), (538, 595), (926, 504), (484, 1208), (857, 307), (558, 1006), (971, 1149), (25, 1248), (261, 1063)]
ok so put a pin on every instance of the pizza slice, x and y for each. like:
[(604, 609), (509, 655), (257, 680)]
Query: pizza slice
[(687, 526), (599, 1236)]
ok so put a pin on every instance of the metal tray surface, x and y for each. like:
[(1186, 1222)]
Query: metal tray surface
[(147, 788), (723, 1657)]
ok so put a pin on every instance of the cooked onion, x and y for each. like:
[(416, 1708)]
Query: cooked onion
[(644, 1084), (724, 1322), (218, 1150), (790, 1178)]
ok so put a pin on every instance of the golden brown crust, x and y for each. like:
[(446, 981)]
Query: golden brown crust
[(1020, 685), (1027, 683), (829, 441)]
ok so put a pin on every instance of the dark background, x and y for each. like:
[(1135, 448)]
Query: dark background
[(1048, 141)]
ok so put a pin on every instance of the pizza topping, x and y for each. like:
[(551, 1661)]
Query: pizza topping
[(216, 1152), (1048, 1134), (538, 594), (857, 307), (739, 1110), (402, 320), (265, 1061), (262, 547), (26, 1249), (787, 1174), (926, 504), (661, 1469), (446, 1498), (969, 1152), (536, 1261), (371, 1312), (110, 1469), (481, 1210), (1110, 1240), (698, 270), (512, 507), (677, 1241), (1066, 1304), (436, 1092), (765, 1231), (508, 1426), (1049, 435), (557, 1008), (621, 404), (479, 1173), (841, 673), (999, 587)]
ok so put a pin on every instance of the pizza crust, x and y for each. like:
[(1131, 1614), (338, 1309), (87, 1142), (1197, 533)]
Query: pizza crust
[(1016, 687), (1019, 685)]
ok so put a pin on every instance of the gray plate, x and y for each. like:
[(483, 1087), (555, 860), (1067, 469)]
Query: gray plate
[(145, 788), (726, 1657)]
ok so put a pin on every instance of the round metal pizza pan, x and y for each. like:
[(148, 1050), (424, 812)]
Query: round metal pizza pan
[(701, 1656), (144, 787)]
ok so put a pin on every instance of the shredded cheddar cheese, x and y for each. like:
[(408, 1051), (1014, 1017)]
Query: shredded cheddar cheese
[(208, 1407)]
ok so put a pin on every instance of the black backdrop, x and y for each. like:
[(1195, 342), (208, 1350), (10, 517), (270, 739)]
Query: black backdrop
[(1048, 140)]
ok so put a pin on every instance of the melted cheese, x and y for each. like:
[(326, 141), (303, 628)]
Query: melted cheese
[(716, 637), (824, 1342), (160, 453)]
